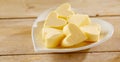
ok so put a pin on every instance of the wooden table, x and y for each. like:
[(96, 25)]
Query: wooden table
[(17, 17)]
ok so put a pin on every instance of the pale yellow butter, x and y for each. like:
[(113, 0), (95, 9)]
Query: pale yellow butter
[(92, 31), (64, 27), (53, 37), (64, 10), (73, 35), (79, 20), (54, 22)]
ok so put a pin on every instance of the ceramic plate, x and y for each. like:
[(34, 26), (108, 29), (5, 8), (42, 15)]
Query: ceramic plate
[(106, 32)]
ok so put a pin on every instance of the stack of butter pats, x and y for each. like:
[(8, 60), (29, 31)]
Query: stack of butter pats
[(63, 27)]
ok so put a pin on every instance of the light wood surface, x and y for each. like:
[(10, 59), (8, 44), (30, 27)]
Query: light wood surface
[(32, 8), (17, 17), (72, 57), (15, 36)]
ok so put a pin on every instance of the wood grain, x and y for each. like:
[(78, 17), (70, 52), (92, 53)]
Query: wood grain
[(70, 57), (15, 37), (17, 17), (32, 8)]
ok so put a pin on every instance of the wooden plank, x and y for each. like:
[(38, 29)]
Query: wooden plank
[(32, 8), (15, 37), (71, 57)]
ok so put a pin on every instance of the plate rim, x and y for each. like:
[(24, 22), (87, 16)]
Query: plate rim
[(42, 16)]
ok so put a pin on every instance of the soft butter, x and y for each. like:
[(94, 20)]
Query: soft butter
[(54, 22), (92, 31), (79, 20), (64, 10), (73, 35), (53, 37)]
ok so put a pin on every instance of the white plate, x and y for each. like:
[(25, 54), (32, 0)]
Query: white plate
[(106, 32)]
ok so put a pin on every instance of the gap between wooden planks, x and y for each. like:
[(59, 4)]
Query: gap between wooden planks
[(32, 8), (72, 57), (36, 17), (15, 37)]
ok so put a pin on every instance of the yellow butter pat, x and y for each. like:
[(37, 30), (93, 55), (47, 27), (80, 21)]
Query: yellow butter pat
[(64, 10), (92, 31), (79, 20), (53, 21), (53, 37), (73, 35)]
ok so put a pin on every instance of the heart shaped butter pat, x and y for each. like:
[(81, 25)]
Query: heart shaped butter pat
[(54, 22), (92, 31), (73, 35), (64, 10), (79, 20), (53, 37)]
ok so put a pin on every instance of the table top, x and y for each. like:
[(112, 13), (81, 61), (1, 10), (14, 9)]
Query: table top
[(17, 17)]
